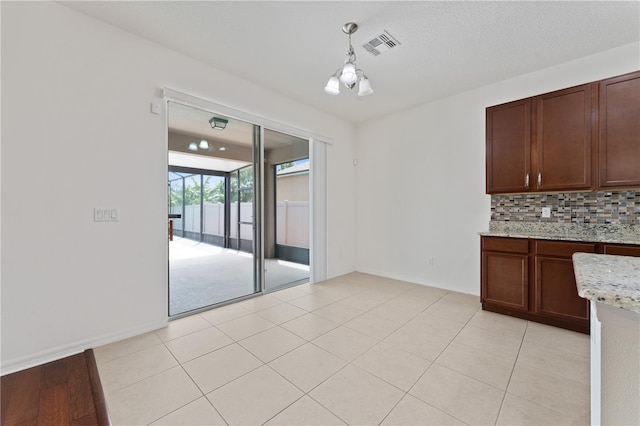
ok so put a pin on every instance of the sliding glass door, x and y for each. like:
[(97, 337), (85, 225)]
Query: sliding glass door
[(239, 205), (214, 210)]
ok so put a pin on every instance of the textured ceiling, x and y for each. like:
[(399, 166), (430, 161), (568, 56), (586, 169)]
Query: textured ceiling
[(292, 47)]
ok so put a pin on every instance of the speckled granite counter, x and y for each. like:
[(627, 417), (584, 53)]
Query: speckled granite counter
[(614, 280), (593, 233)]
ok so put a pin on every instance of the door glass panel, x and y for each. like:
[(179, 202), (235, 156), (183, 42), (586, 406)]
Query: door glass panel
[(287, 206), (211, 203)]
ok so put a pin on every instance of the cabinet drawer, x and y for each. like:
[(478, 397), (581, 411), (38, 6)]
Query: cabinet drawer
[(511, 245), (622, 250), (562, 249)]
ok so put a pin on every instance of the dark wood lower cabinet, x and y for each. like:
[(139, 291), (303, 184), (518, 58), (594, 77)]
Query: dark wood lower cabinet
[(556, 295), (505, 266), (534, 280), (510, 270)]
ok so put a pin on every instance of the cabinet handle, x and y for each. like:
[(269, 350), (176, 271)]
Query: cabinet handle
[(539, 179), (526, 180)]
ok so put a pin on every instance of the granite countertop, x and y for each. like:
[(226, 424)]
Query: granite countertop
[(614, 280), (592, 233)]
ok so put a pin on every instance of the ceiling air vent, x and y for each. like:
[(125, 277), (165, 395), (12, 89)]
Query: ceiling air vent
[(381, 43)]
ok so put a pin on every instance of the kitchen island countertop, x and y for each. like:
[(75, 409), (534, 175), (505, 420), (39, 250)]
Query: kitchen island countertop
[(613, 280)]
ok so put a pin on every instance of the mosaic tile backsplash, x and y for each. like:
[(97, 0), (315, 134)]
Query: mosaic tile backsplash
[(615, 207)]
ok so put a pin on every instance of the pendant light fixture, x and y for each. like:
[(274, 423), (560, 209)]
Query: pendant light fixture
[(349, 74)]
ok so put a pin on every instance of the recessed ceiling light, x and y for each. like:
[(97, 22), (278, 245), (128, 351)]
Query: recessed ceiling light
[(204, 144), (193, 146), (222, 148)]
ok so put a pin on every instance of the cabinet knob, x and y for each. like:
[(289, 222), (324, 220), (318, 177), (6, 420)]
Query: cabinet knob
[(539, 179)]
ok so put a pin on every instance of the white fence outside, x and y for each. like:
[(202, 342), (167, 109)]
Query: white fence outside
[(292, 223), (292, 218)]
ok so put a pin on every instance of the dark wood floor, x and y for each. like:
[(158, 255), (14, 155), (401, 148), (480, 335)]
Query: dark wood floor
[(63, 392)]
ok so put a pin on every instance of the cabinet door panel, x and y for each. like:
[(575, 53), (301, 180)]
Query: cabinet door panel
[(556, 291), (620, 131), (505, 280), (563, 139), (508, 147)]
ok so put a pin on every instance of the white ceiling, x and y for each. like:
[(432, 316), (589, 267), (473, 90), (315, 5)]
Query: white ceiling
[(292, 47)]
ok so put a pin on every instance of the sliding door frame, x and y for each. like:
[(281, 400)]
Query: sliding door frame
[(318, 255)]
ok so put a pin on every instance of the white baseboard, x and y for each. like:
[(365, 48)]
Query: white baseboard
[(48, 355), (401, 277), (414, 280)]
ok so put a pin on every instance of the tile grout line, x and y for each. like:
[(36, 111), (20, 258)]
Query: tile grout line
[(405, 393), (348, 363), (511, 375), (202, 395), (434, 361)]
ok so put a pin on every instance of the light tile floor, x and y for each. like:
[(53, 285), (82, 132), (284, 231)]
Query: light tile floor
[(357, 350)]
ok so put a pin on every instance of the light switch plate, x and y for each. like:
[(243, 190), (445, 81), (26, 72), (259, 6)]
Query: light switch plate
[(546, 212), (110, 214)]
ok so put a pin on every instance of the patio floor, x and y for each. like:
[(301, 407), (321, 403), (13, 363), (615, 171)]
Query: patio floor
[(202, 274)]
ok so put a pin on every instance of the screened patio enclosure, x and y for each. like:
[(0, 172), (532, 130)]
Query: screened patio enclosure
[(212, 207)]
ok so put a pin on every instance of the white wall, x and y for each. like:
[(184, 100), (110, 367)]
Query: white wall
[(420, 178), (77, 133)]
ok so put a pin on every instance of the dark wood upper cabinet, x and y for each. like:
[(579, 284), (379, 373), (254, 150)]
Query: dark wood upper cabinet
[(581, 138), (564, 139), (508, 147), (620, 131)]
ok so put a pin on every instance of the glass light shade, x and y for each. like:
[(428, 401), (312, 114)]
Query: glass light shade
[(204, 144), (349, 76), (365, 87), (333, 86), (193, 146)]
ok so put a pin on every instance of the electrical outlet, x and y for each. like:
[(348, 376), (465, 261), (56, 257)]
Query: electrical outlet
[(546, 212)]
